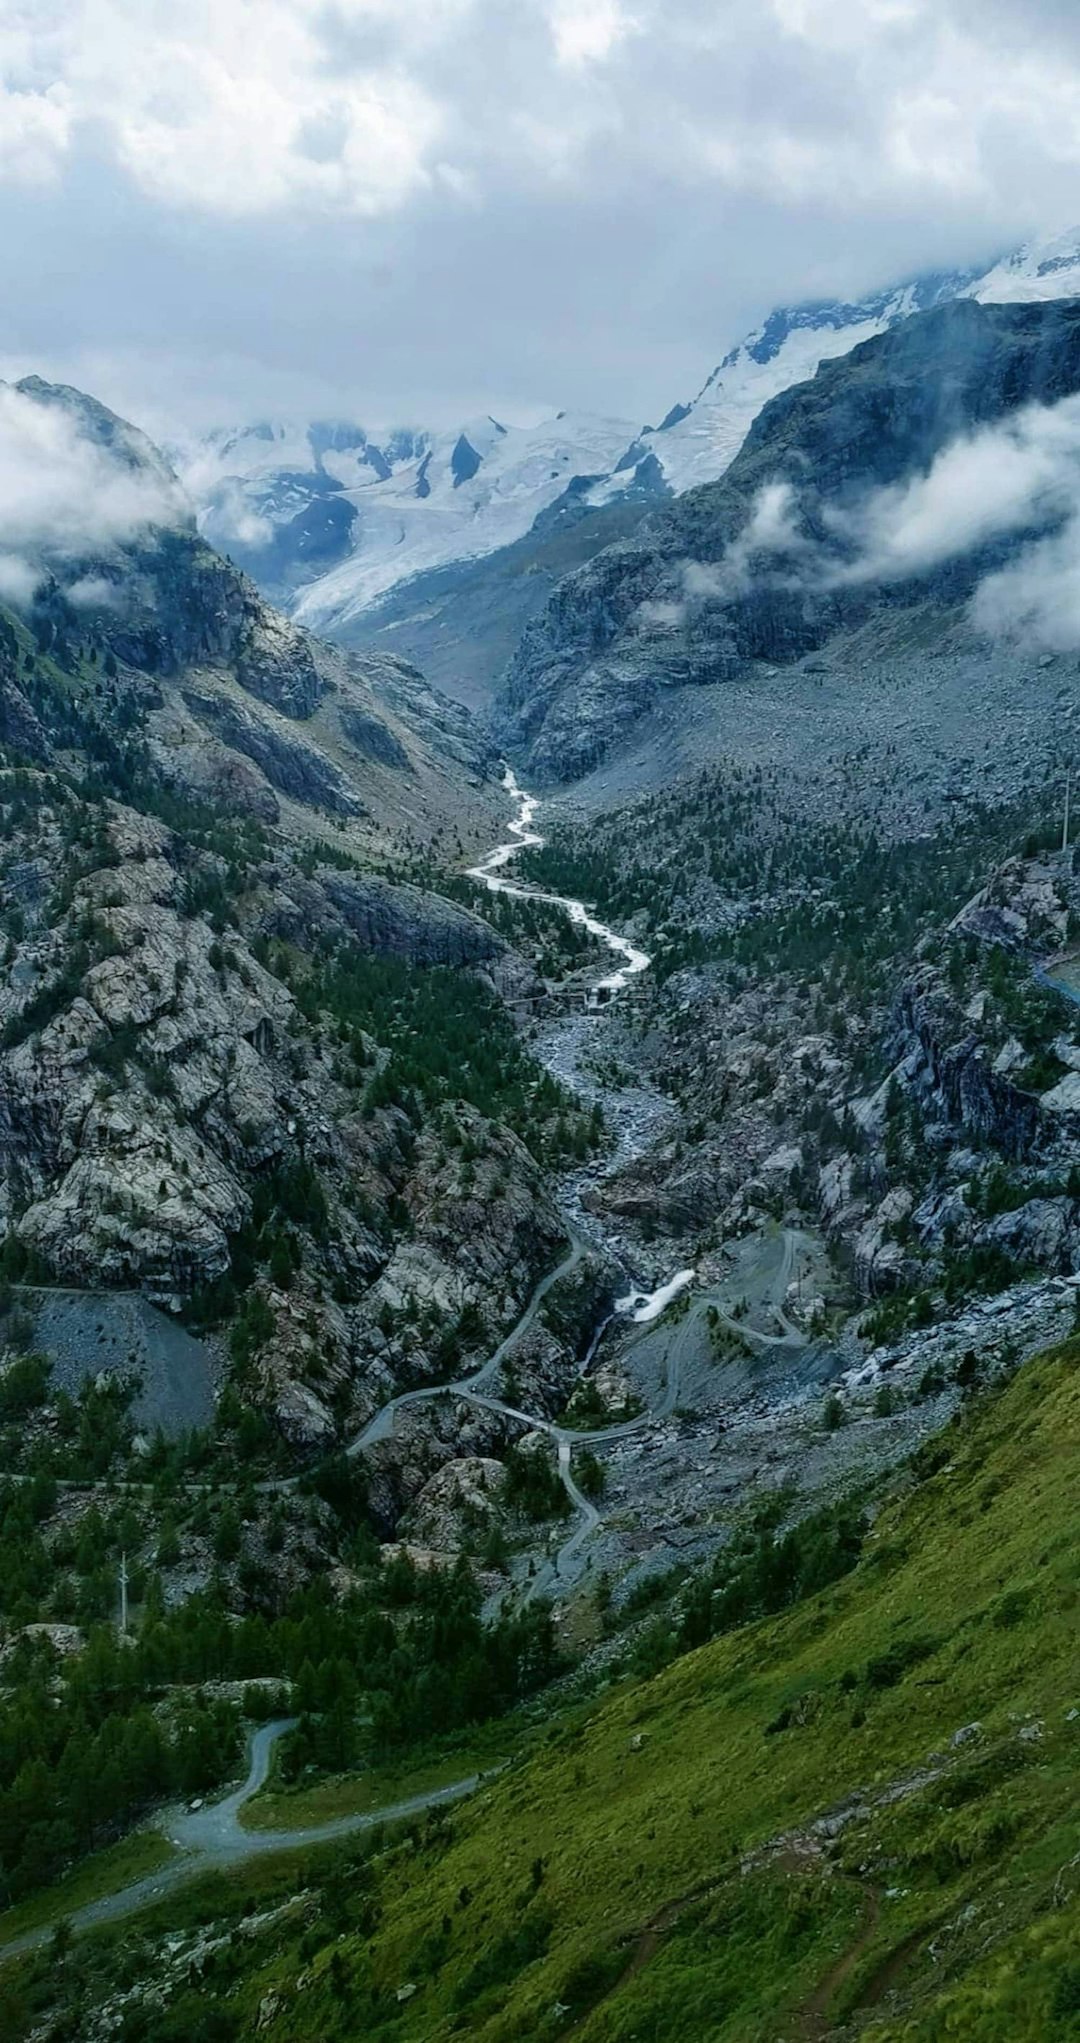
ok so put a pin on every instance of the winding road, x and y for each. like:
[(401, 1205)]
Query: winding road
[(212, 1839)]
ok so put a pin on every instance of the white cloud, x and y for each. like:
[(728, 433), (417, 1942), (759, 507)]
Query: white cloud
[(769, 537), (1036, 599), (220, 105), (1016, 481), (63, 494), (18, 580), (405, 205), (349, 105), (586, 31), (94, 592), (982, 486)]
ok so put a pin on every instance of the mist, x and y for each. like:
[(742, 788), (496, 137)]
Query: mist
[(65, 496), (1016, 480)]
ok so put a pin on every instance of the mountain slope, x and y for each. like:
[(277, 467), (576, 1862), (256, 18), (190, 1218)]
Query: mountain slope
[(234, 1030), (462, 622), (155, 629), (377, 541), (777, 560), (855, 1817), (863, 1808)]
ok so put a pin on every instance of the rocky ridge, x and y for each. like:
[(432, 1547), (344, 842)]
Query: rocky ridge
[(703, 595)]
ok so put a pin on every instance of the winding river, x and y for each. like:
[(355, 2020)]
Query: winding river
[(635, 1306), (639, 1307), (491, 872)]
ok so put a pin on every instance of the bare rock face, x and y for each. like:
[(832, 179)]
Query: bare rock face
[(402, 921), (880, 1259), (156, 1077), (460, 1499), (426, 1440), (484, 1228), (1021, 909), (292, 766), (124, 1124), (1044, 1234), (275, 663), (945, 1058)]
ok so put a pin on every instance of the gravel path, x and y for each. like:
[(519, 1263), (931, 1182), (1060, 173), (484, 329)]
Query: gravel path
[(212, 1839)]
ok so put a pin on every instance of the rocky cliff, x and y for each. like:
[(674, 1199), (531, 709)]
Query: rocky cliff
[(154, 633), (771, 563), (248, 1068)]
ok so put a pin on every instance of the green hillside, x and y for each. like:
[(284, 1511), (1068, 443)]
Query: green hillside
[(857, 1819), (657, 1874)]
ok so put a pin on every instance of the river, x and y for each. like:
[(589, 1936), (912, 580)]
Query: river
[(636, 1115)]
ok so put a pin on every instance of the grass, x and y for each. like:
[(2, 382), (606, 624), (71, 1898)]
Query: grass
[(656, 1868), (635, 1847), (278, 1808), (118, 1865)]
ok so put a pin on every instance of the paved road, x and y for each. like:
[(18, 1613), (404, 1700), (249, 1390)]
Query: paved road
[(212, 1839)]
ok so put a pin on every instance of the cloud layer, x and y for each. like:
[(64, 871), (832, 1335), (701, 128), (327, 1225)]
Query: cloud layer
[(63, 496), (428, 207)]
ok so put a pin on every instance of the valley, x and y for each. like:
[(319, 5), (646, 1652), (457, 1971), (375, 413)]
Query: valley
[(538, 1285)]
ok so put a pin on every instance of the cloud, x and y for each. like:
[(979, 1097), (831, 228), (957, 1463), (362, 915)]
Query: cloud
[(586, 31), (1014, 481), (18, 580), (63, 494), (444, 206), (94, 592), (1036, 599), (982, 486), (349, 107), (770, 547), (216, 109)]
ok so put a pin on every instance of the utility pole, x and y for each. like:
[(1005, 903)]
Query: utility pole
[(1065, 826), (123, 1595)]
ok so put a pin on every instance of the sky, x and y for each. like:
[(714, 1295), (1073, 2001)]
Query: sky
[(412, 211)]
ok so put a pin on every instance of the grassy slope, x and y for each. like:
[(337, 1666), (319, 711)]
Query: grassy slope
[(659, 1913), (279, 1808), (103, 1872)]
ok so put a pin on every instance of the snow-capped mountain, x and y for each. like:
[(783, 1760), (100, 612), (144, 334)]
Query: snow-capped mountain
[(331, 518), (1041, 269), (696, 442)]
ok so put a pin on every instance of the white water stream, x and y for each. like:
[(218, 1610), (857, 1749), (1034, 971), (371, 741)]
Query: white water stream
[(523, 836), (639, 1306)]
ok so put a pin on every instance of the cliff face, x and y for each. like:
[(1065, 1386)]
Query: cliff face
[(944, 1059), (242, 1072), (159, 636), (176, 1118), (708, 586)]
